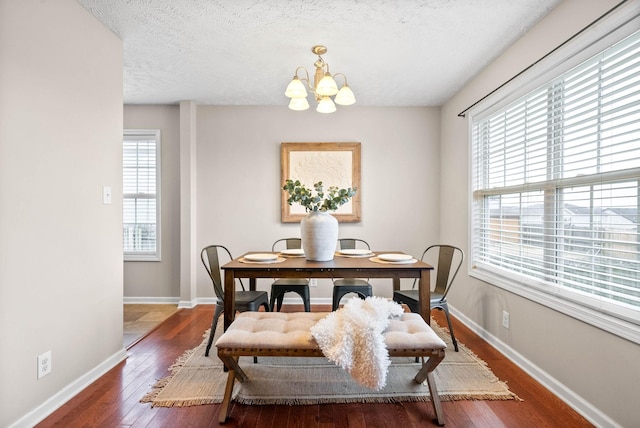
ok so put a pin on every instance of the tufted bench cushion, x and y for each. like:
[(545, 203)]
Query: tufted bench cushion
[(271, 330), (288, 334), (281, 331)]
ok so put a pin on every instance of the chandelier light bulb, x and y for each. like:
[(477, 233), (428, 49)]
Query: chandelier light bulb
[(298, 104), (327, 86), (345, 96), (326, 105), (296, 89)]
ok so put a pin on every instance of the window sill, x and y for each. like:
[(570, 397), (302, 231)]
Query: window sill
[(136, 258)]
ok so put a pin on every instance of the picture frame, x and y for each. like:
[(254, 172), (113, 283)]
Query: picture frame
[(335, 164)]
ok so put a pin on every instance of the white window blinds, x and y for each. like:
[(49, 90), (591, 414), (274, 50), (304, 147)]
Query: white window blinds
[(556, 185), (141, 172)]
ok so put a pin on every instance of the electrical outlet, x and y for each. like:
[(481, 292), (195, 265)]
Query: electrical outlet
[(313, 282), (505, 319), (44, 364)]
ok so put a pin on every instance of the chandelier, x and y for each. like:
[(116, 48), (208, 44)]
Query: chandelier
[(324, 87)]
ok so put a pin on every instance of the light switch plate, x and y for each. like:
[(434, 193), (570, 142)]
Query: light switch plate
[(106, 195)]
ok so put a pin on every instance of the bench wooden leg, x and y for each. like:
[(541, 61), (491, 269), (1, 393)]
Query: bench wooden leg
[(232, 364), (435, 398), (225, 406), (429, 365), (426, 372), (234, 372)]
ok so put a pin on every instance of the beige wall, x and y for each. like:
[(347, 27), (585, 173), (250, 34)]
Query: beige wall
[(238, 179), (60, 247), (159, 281), (579, 361), (238, 170)]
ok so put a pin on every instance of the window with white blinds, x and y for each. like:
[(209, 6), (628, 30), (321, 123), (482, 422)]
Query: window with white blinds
[(556, 186), (141, 195)]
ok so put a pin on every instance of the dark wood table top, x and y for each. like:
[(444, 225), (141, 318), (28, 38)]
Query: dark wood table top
[(340, 266)]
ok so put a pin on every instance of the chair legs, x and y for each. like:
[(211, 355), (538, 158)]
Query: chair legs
[(277, 297), (445, 308), (278, 302), (214, 324), (340, 291)]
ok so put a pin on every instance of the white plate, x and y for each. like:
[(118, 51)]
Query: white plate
[(395, 257), (355, 252), (261, 257), (293, 252), (397, 262)]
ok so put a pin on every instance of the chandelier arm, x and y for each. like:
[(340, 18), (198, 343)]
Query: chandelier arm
[(306, 78), (343, 76)]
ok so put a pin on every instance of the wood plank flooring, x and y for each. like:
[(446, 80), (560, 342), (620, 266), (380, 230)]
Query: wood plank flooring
[(113, 400), (141, 319)]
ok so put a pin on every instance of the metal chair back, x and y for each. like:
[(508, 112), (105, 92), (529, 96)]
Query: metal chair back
[(210, 256)]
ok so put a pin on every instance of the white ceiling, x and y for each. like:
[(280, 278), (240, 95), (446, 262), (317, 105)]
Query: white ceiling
[(244, 52)]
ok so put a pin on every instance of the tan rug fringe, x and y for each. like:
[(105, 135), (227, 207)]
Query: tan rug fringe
[(338, 400), (458, 397), (370, 400), (157, 387), (185, 403)]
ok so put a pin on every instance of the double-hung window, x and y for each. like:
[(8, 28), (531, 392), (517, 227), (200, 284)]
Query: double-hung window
[(556, 191), (141, 195)]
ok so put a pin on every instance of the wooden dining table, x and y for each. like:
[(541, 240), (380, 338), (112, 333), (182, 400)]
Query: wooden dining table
[(339, 267)]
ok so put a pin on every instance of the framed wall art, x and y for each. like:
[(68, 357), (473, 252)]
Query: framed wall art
[(335, 164)]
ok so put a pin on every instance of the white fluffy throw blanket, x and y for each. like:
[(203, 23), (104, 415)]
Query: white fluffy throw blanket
[(352, 338)]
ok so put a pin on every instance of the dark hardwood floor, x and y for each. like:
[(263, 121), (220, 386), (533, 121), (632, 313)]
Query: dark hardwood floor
[(113, 400)]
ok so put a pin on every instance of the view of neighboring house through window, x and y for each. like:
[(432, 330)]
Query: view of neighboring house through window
[(141, 195), (556, 187)]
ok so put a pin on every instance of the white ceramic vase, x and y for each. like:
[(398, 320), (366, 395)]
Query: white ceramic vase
[(319, 233)]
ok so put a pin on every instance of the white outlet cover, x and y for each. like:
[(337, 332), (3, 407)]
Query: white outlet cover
[(44, 364), (505, 319)]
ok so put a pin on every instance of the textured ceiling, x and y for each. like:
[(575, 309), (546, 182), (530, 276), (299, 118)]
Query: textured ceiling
[(244, 52)]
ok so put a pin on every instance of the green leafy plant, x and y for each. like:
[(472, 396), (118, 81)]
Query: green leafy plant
[(320, 201)]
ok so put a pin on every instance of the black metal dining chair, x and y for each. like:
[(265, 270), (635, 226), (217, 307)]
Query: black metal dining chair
[(344, 286), (245, 300), (282, 286), (449, 261)]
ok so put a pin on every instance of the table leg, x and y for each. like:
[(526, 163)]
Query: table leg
[(252, 284), (424, 294), (229, 298), (396, 284)]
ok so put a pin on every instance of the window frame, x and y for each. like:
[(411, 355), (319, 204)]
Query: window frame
[(146, 256), (608, 31)]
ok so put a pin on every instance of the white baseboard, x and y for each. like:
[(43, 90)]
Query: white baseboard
[(190, 304), (151, 300), (314, 300), (579, 404), (286, 301), (67, 393)]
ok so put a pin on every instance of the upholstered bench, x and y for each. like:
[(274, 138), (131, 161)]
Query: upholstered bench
[(281, 334)]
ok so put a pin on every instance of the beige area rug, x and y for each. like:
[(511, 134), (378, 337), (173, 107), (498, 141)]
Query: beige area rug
[(195, 379)]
